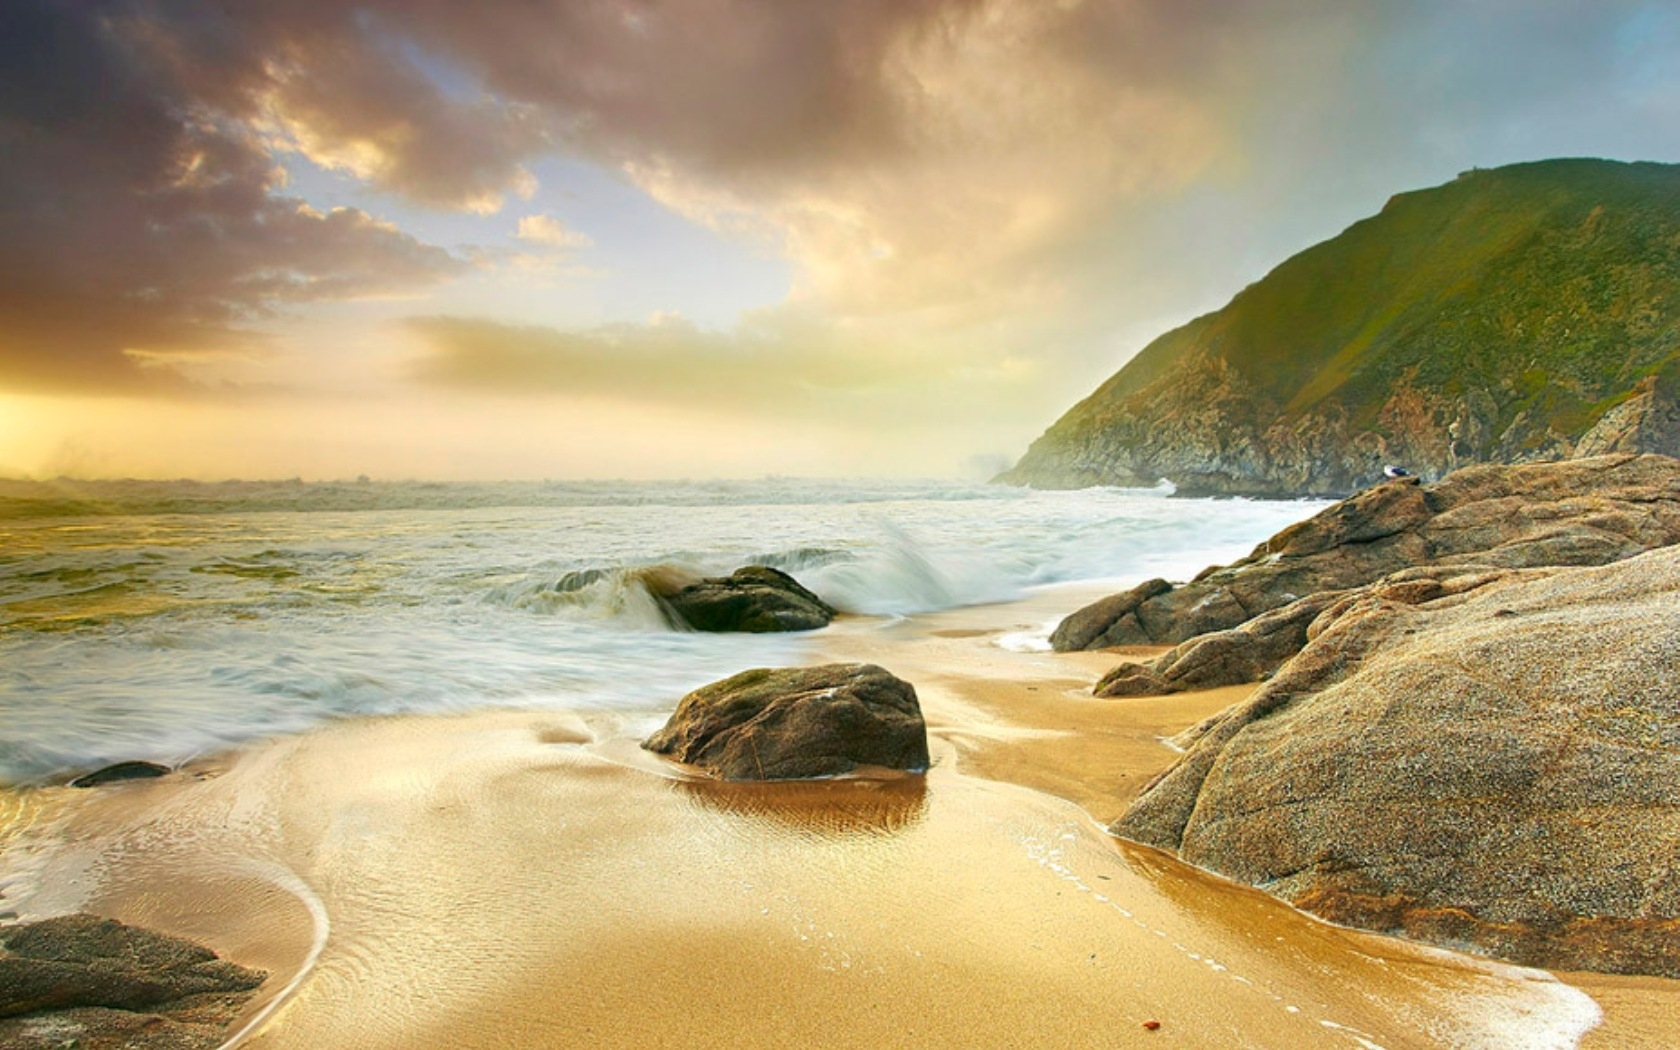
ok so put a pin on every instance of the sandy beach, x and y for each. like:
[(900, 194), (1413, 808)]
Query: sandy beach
[(528, 879)]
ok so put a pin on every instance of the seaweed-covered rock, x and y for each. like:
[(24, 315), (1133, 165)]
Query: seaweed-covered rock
[(1496, 767), (754, 599), (789, 723)]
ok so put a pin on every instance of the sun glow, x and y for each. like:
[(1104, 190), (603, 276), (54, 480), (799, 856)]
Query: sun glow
[(24, 422)]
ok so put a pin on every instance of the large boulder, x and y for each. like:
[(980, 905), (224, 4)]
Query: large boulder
[(1577, 512), (755, 599), (789, 723), (1496, 767), (80, 980)]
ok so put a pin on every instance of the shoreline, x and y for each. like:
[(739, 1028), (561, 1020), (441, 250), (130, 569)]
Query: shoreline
[(534, 876)]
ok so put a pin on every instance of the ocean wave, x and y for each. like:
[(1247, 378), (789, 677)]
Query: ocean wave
[(625, 597), (25, 499), (895, 575), (900, 575), (128, 636)]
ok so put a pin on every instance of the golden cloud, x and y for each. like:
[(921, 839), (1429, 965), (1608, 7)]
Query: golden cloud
[(550, 232), (781, 362)]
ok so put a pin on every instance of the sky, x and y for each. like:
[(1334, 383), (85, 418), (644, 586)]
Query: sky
[(707, 238)]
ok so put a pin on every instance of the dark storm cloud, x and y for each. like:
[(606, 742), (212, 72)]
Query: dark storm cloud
[(138, 225)]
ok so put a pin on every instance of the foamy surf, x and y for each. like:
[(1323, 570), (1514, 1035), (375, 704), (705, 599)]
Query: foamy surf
[(166, 621)]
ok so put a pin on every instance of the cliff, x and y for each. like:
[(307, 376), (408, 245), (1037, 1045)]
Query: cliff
[(1517, 314)]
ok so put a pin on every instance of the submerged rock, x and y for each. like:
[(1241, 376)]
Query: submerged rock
[(120, 771), (754, 599), (790, 723), (1578, 512), (1497, 767), (84, 981)]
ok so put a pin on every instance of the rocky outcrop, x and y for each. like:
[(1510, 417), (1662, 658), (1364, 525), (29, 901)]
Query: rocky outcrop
[(1239, 622), (1243, 654), (1108, 621), (83, 981), (1253, 651), (1521, 314), (1497, 767), (755, 599), (1648, 421), (790, 723)]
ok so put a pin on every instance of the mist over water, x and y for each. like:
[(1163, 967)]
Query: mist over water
[(161, 621)]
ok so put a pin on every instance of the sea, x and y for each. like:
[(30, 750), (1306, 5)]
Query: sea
[(166, 621)]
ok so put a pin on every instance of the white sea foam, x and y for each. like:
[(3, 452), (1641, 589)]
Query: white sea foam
[(166, 620)]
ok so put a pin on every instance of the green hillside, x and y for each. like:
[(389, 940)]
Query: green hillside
[(1501, 316)]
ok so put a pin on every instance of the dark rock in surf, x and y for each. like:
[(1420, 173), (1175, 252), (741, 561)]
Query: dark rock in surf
[(120, 771), (755, 599), (792, 723), (84, 981)]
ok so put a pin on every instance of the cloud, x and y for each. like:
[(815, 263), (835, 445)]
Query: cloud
[(986, 186), (780, 363), (955, 161), (142, 230), (990, 203), (550, 232)]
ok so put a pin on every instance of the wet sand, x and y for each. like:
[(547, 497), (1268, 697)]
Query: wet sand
[(520, 879)]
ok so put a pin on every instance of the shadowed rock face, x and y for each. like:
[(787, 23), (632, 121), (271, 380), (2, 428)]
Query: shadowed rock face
[(789, 723), (83, 981), (1498, 767), (1411, 538), (755, 599)]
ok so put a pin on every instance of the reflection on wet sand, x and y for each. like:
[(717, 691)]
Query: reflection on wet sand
[(821, 809)]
